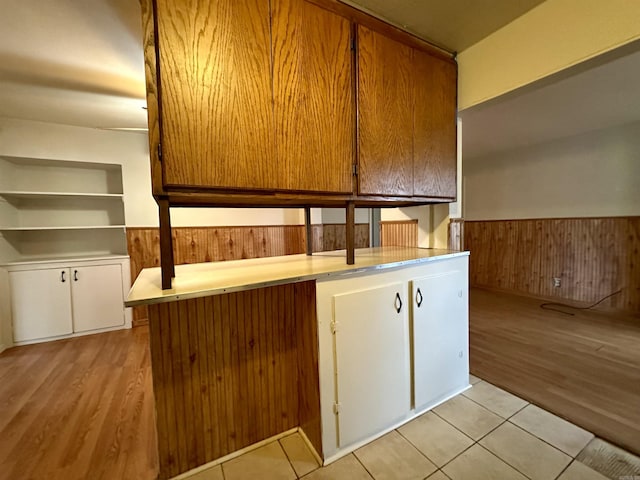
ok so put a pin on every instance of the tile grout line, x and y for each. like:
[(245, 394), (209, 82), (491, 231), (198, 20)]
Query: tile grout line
[(363, 465), (288, 459), (418, 450), (565, 468), (504, 461), (551, 445)]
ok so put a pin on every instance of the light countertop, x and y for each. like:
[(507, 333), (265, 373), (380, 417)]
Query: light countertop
[(214, 278)]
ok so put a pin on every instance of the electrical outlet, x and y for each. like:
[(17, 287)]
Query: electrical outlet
[(556, 281)]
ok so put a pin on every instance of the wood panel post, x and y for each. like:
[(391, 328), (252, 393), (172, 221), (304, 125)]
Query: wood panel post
[(307, 227), (351, 233), (166, 244)]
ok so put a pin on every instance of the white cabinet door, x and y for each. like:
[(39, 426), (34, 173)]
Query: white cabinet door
[(372, 360), (40, 303), (97, 297), (440, 336)]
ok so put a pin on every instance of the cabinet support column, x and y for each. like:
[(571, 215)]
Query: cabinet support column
[(307, 226), (166, 244), (351, 233)]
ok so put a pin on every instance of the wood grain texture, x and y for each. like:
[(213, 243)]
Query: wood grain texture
[(213, 244), (308, 376), (361, 18), (584, 368), (434, 132), (226, 372), (151, 78), (217, 112), (313, 96), (385, 115), (455, 234), (593, 257), (78, 408), (399, 233)]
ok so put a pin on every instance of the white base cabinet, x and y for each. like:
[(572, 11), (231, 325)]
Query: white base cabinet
[(372, 360), (392, 344), (40, 303), (440, 335), (55, 300)]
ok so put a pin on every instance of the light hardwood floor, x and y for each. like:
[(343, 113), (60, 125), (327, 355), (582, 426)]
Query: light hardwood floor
[(77, 409), (585, 368), (83, 408)]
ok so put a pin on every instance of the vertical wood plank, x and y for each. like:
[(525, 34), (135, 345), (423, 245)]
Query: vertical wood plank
[(593, 257), (351, 233), (307, 352)]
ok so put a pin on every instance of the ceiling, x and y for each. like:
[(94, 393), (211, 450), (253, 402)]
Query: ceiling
[(81, 63), (73, 62), (451, 24), (594, 95)]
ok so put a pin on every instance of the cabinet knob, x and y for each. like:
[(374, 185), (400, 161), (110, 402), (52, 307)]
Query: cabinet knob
[(398, 303), (419, 298), (75, 275), (62, 279)]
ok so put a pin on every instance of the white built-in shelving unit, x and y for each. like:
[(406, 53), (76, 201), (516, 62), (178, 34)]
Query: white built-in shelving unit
[(64, 269), (53, 209)]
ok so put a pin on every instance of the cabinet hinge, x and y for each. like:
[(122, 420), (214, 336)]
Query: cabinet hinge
[(354, 169), (336, 408), (160, 152), (334, 327)]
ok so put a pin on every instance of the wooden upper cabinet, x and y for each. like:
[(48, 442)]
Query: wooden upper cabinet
[(313, 97), (385, 115), (407, 120), (216, 94), (434, 169)]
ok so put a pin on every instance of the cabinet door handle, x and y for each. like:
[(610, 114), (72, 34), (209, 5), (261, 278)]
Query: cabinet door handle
[(419, 298), (75, 275), (398, 303), (62, 279)]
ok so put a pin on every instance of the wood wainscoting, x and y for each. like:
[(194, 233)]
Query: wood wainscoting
[(213, 244), (399, 233), (593, 257), (231, 370)]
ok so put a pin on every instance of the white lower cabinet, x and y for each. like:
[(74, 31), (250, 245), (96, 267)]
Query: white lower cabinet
[(440, 336), (50, 301), (97, 297), (392, 344), (372, 360), (40, 303)]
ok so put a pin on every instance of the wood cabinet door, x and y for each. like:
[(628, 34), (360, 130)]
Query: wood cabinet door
[(372, 360), (216, 94), (385, 115), (96, 294), (313, 97), (40, 303), (434, 167)]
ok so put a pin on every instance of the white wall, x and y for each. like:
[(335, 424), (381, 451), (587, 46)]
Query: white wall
[(588, 175), (23, 138), (547, 39)]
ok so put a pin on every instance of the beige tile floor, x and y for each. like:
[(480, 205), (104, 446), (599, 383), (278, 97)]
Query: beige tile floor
[(484, 433)]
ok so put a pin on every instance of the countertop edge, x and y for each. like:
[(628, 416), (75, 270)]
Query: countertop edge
[(173, 297)]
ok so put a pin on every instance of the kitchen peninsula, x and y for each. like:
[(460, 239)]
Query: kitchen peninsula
[(244, 351)]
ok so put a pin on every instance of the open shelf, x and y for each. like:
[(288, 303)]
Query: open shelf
[(78, 227), (59, 209), (24, 195)]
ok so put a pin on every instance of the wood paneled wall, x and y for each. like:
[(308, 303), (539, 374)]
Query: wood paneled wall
[(212, 244), (402, 233), (455, 235), (231, 370), (593, 257)]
